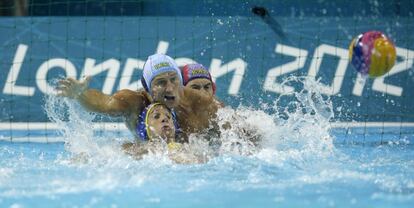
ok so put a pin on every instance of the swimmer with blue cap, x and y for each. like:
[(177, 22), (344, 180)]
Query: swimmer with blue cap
[(157, 127), (157, 121)]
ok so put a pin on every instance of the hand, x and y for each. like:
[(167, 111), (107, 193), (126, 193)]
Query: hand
[(72, 88)]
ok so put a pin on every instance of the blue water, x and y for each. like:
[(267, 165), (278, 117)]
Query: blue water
[(363, 175), (300, 162)]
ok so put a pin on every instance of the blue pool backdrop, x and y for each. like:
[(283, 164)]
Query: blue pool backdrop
[(244, 53)]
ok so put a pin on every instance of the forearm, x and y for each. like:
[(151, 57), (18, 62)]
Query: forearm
[(94, 101)]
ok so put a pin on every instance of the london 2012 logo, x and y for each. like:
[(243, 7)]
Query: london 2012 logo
[(218, 68)]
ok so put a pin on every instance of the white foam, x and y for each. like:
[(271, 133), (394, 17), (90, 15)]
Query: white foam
[(293, 138)]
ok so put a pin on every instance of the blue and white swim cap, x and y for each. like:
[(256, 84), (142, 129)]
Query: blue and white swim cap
[(155, 65)]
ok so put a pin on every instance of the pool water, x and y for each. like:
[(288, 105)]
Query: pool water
[(301, 162), (38, 174)]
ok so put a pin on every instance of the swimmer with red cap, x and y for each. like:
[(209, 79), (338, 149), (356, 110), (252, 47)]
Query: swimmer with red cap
[(196, 76)]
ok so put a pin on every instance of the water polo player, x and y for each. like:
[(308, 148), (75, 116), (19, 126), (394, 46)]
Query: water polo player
[(196, 76), (156, 123), (157, 128), (162, 81)]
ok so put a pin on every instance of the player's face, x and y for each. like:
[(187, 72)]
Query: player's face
[(204, 85), (161, 123), (165, 89)]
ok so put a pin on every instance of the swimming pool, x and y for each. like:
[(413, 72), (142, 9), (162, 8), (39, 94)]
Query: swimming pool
[(305, 160), (350, 175)]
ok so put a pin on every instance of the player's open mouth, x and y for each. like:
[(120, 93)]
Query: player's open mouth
[(169, 98), (166, 128)]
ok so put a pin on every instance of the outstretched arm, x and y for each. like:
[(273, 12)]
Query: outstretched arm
[(122, 102)]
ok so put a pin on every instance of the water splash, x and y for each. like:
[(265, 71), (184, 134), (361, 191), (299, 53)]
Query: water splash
[(298, 131), (75, 124), (281, 152), (300, 127)]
